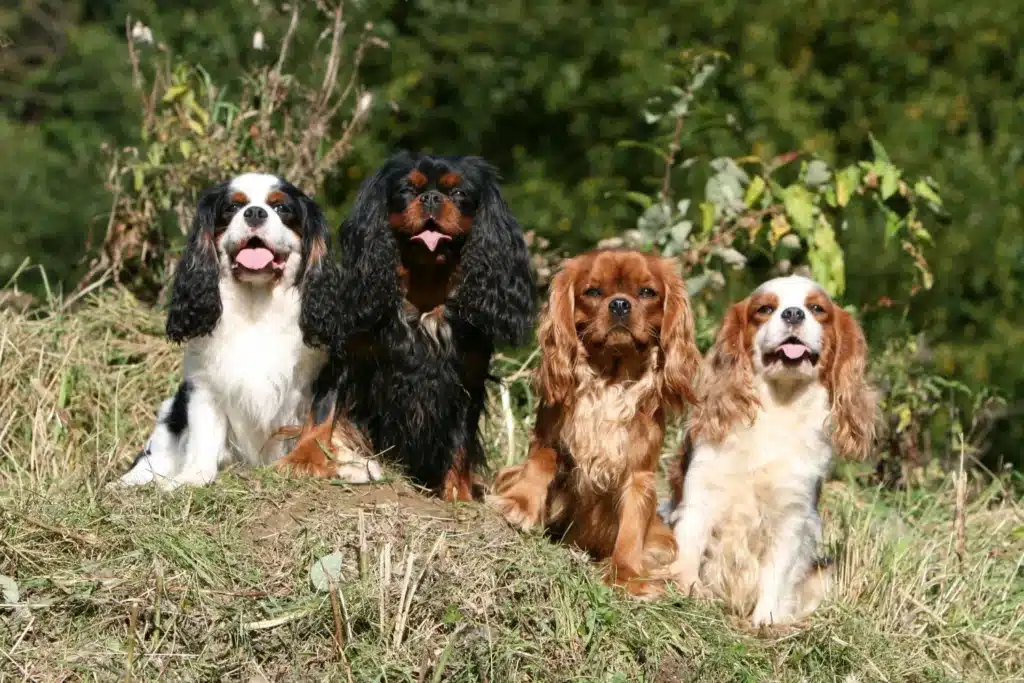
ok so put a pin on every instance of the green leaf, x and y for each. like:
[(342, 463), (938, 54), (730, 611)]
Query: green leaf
[(175, 91), (893, 223), (890, 180), (923, 189), (137, 179), (754, 191), (325, 571), (640, 199), (799, 205), (185, 146), (878, 151), (826, 259), (846, 181), (707, 217)]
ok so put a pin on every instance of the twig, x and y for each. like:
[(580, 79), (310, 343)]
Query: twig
[(405, 604), (510, 422), (403, 597), (363, 555), (339, 638), (670, 158), (960, 513), (275, 622)]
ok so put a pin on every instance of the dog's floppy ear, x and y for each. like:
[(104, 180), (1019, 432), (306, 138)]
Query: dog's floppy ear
[(678, 340), (195, 305), (320, 279), (854, 400), (370, 294), (559, 345), (496, 290), (725, 393)]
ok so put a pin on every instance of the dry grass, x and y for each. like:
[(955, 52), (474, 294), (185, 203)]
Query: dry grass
[(214, 583)]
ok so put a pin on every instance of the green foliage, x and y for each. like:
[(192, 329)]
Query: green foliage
[(548, 90)]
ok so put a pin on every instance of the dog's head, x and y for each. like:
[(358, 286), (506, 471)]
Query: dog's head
[(788, 333), (617, 303), (257, 230)]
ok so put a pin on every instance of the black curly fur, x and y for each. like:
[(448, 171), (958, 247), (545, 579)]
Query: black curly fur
[(320, 279), (420, 402), (195, 295)]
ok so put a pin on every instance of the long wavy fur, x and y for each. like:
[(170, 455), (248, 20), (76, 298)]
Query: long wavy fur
[(419, 401), (195, 307)]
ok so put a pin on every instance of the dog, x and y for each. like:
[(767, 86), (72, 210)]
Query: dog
[(618, 355), (783, 388), (436, 274), (248, 303)]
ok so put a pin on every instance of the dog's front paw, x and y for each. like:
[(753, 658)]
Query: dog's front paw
[(516, 511), (357, 470)]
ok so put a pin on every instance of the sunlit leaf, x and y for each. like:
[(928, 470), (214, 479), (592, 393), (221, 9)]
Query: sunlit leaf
[(826, 259), (800, 206), (779, 227), (846, 181), (878, 151), (707, 217), (754, 191)]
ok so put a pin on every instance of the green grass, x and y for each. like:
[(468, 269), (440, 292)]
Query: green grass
[(214, 583)]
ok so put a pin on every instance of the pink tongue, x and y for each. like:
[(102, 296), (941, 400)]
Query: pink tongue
[(793, 351), (431, 238), (254, 259)]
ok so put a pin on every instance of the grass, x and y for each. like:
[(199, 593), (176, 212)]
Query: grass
[(214, 583)]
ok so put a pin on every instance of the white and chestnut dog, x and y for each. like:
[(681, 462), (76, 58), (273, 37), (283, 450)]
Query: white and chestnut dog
[(783, 388), (253, 324)]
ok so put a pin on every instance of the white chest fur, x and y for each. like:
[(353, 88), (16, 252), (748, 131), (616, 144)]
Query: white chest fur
[(256, 368), (779, 458)]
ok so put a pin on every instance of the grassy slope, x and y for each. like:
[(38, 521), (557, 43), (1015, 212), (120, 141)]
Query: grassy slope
[(213, 583)]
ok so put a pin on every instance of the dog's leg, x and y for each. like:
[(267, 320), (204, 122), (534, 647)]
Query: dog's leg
[(786, 562), (637, 506), (521, 491), (458, 481), (161, 457), (204, 442), (694, 522)]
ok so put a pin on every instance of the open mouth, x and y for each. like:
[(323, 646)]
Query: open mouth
[(792, 351), (430, 236), (255, 257)]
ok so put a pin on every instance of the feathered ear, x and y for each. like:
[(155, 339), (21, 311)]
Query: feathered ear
[(854, 401), (496, 290), (559, 345), (320, 279), (678, 341), (725, 392), (370, 295), (195, 295)]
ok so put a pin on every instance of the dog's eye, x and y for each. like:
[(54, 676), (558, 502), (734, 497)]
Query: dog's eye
[(231, 208), (816, 309), (282, 209), (647, 293), (767, 309), (593, 291), (458, 194)]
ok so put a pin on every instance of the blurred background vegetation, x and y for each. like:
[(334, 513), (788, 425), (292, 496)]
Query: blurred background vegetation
[(559, 97)]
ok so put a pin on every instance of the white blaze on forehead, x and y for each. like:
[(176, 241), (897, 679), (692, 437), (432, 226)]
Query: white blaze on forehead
[(791, 290), (255, 186)]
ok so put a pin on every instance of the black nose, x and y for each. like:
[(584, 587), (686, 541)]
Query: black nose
[(619, 307), (793, 315), (430, 200), (255, 215)]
